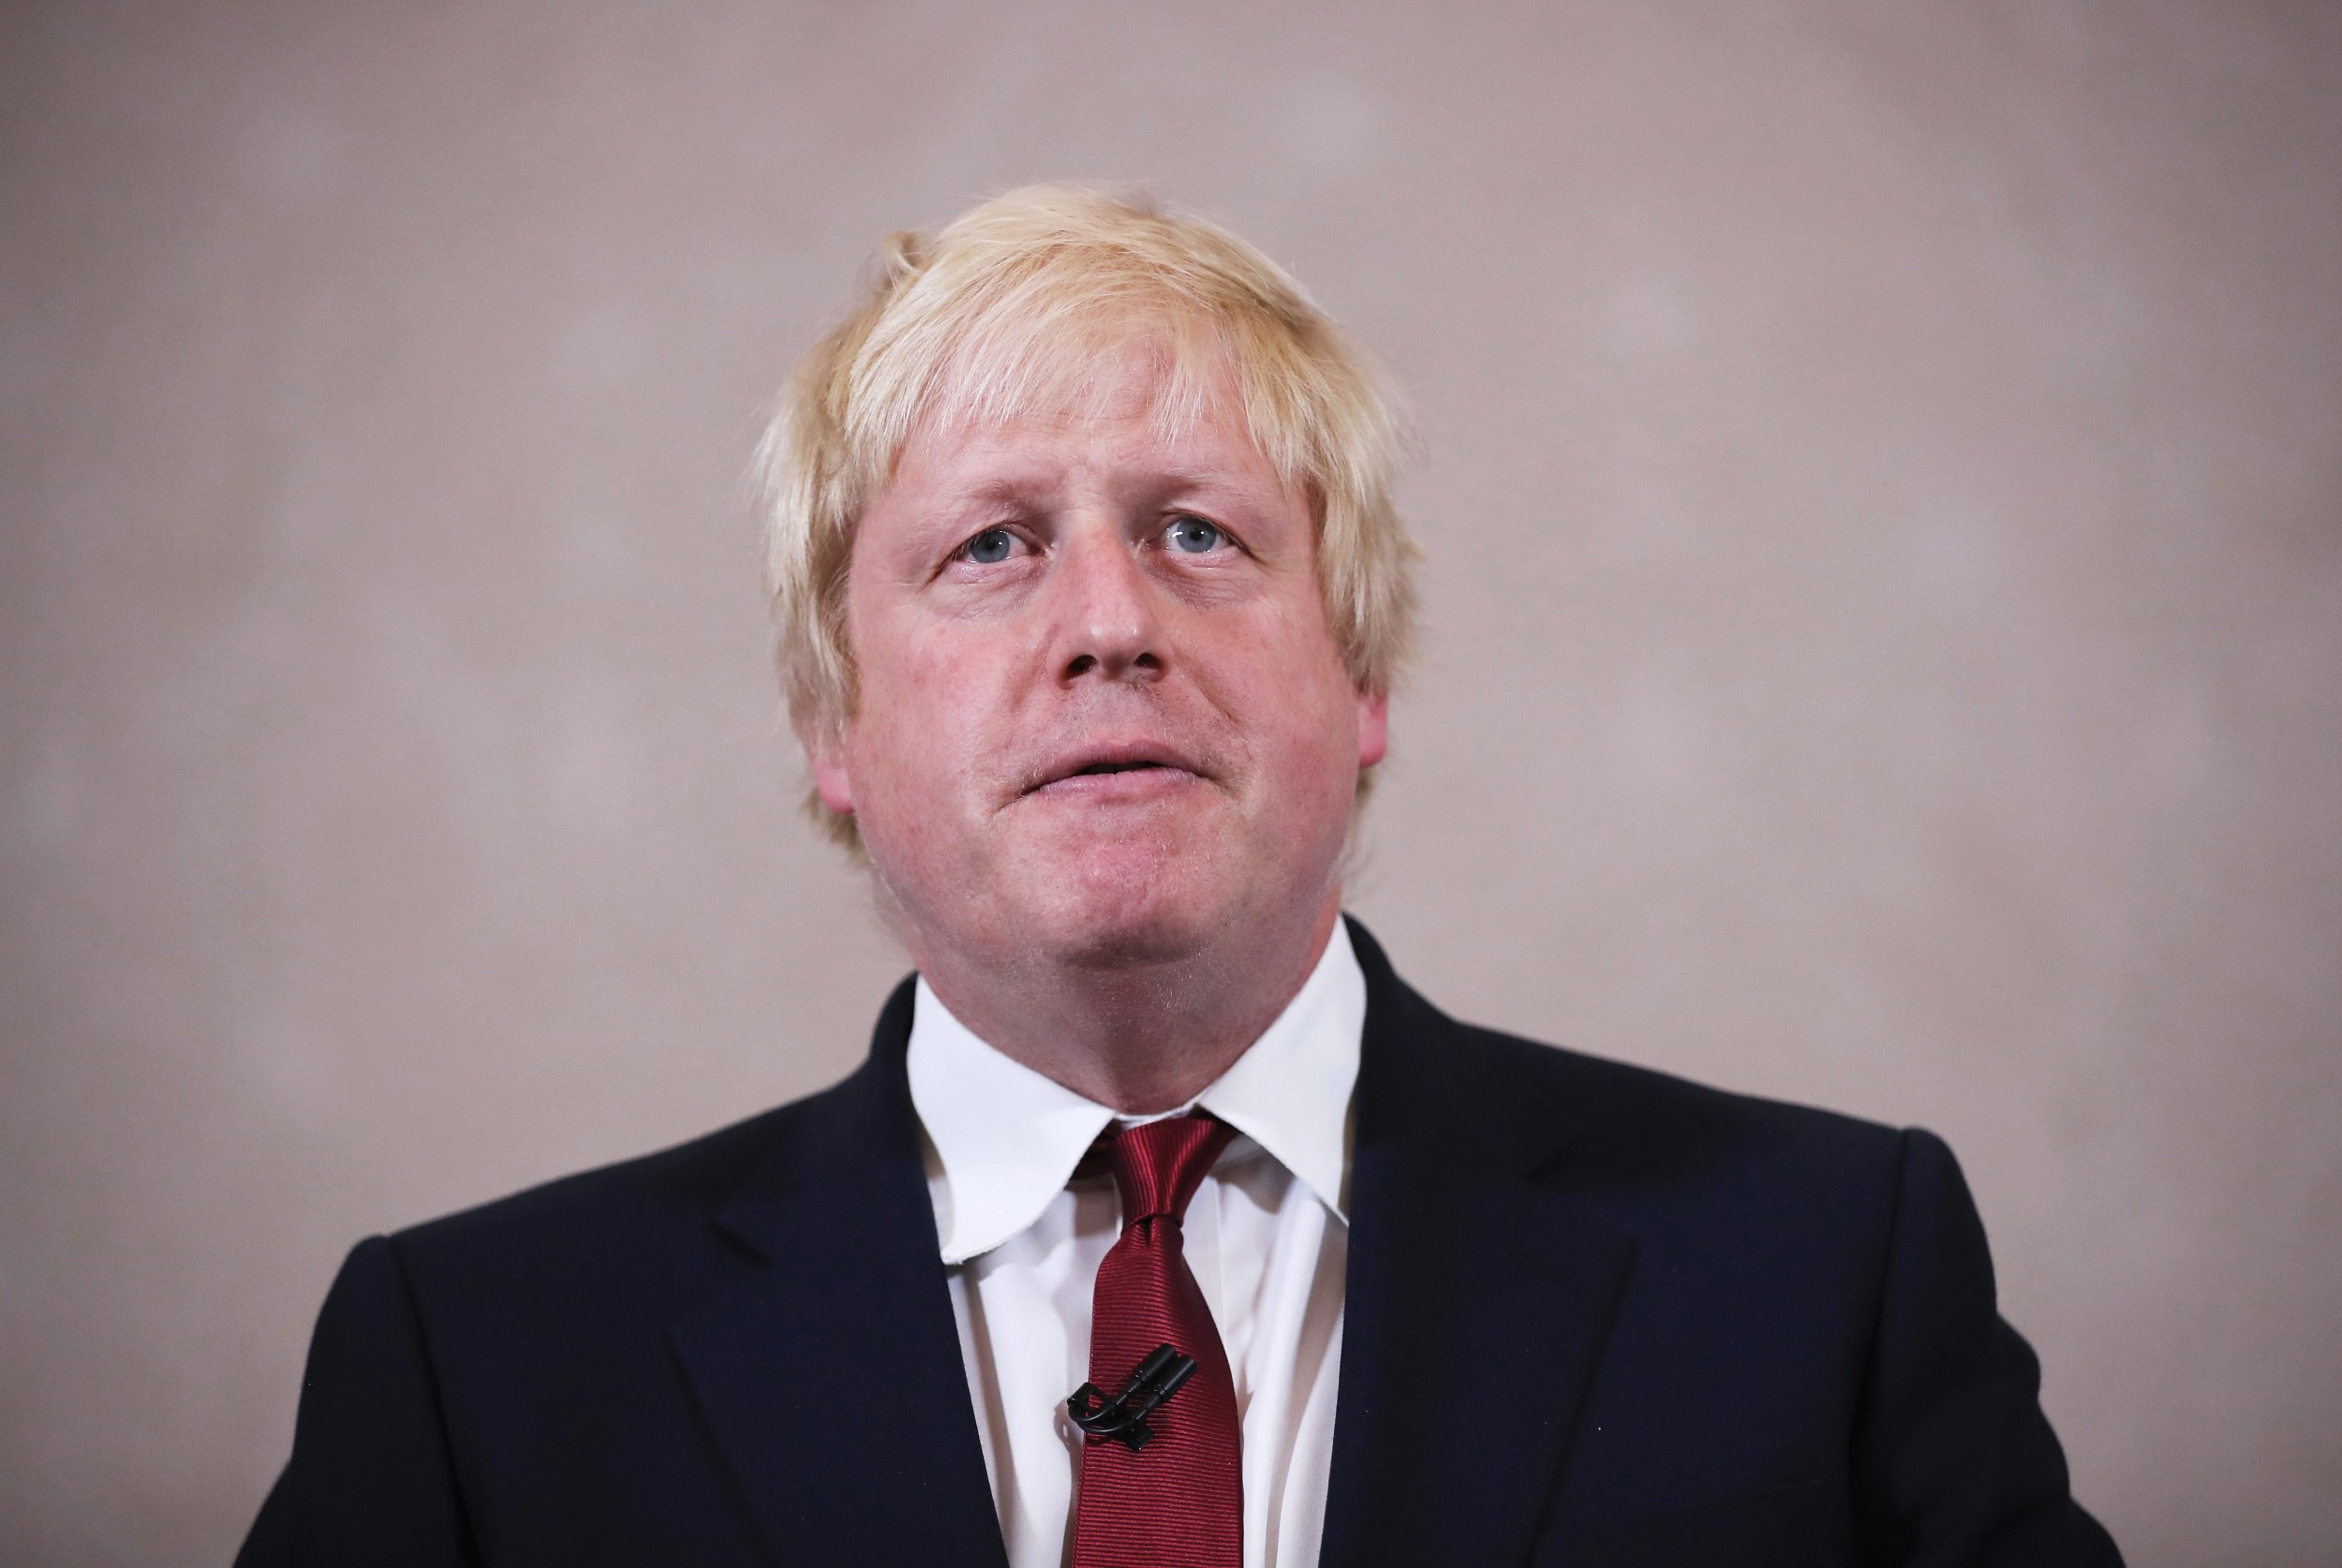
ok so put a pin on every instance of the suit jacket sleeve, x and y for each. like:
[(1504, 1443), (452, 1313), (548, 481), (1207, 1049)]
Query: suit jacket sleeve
[(371, 1480), (1954, 1461)]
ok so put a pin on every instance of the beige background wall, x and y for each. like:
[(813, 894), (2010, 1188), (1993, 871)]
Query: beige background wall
[(1883, 487)]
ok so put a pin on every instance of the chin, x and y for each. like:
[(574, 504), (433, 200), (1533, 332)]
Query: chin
[(1129, 905)]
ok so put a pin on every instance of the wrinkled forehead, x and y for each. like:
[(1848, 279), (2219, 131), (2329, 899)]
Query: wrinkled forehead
[(1093, 366)]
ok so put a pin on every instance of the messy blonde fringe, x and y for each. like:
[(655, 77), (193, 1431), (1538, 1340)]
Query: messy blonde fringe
[(1017, 305)]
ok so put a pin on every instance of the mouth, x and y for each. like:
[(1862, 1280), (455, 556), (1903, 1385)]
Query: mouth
[(1132, 769)]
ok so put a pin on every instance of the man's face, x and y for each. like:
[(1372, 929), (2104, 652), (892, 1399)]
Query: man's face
[(1102, 718)]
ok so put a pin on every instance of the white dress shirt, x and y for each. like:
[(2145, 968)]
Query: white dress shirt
[(1266, 1237)]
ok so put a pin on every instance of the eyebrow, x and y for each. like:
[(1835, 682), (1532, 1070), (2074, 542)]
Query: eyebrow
[(1154, 485), (984, 496), (997, 489), (1191, 479)]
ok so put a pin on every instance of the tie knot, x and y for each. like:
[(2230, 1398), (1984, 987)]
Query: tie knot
[(1158, 1166)]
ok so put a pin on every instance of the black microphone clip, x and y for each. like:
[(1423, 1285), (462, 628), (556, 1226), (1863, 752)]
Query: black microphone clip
[(1125, 1416)]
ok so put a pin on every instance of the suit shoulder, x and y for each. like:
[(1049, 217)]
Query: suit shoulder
[(1626, 1107), (678, 1187), (1486, 1078)]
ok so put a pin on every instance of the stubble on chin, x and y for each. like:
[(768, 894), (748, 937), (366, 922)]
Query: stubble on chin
[(1131, 901)]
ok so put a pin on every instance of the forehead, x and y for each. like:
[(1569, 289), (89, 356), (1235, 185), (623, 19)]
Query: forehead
[(1136, 407)]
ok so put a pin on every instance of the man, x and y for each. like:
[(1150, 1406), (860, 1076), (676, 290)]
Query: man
[(1165, 1223)]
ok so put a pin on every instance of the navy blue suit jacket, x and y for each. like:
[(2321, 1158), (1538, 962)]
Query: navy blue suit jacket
[(1595, 1316)]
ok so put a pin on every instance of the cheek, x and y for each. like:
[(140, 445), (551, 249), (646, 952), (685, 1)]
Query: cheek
[(900, 759), (926, 709), (1300, 706), (903, 771)]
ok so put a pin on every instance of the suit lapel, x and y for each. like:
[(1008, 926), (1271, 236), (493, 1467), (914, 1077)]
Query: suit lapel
[(1479, 1296), (831, 1377)]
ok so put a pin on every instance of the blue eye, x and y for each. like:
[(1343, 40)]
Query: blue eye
[(1195, 536), (990, 546)]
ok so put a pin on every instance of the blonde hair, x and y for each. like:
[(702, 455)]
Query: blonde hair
[(1015, 306)]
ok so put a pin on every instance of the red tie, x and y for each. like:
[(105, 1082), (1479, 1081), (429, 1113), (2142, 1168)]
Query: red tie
[(1177, 1501)]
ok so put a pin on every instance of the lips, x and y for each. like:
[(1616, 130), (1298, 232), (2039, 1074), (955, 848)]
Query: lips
[(1111, 760)]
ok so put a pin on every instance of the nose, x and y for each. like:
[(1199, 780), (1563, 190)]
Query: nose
[(1106, 623)]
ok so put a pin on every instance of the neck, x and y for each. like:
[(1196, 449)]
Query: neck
[(1139, 1037)]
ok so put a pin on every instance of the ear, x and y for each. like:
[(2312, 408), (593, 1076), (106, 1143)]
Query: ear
[(1373, 727), (824, 743)]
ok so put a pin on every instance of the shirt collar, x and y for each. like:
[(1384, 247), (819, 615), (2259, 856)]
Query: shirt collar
[(1005, 1139)]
